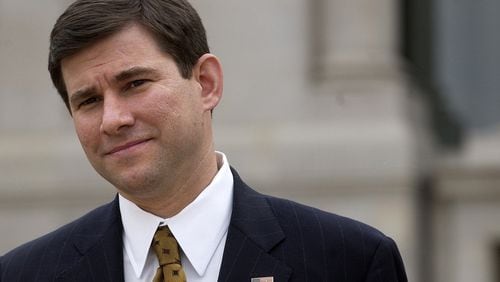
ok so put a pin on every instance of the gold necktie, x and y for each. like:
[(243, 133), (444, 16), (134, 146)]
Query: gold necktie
[(167, 251)]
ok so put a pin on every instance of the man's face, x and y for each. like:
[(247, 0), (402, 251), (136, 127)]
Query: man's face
[(141, 125)]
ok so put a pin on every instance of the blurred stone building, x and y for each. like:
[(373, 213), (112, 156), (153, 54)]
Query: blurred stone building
[(381, 110)]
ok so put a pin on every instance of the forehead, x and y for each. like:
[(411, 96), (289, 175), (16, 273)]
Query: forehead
[(131, 45)]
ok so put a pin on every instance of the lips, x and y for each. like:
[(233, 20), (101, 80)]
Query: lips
[(126, 146)]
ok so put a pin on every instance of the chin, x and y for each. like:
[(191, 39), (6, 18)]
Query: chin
[(135, 191), (135, 184)]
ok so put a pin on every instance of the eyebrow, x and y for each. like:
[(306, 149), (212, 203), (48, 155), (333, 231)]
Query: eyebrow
[(134, 71), (122, 76)]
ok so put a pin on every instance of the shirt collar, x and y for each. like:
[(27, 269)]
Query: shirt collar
[(198, 228)]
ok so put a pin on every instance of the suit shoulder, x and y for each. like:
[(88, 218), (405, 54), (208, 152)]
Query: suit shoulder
[(317, 245), (314, 222), (337, 243), (51, 244)]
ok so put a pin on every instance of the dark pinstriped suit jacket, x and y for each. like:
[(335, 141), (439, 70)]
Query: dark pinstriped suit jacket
[(267, 237)]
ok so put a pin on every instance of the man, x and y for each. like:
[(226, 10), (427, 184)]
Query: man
[(140, 84)]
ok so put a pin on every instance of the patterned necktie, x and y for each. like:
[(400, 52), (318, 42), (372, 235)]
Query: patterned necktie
[(167, 251)]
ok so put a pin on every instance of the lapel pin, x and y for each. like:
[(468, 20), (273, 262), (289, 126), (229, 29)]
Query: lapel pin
[(263, 279)]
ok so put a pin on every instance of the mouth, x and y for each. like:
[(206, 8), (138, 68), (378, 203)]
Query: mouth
[(127, 146)]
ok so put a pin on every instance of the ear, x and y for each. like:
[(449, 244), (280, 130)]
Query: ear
[(208, 73)]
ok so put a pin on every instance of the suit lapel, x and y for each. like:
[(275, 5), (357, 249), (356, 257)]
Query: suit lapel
[(98, 244), (253, 232)]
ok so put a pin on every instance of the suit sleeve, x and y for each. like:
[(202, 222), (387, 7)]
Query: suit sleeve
[(387, 265), (1, 273)]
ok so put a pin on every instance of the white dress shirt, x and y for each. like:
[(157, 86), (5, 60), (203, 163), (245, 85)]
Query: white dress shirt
[(200, 229)]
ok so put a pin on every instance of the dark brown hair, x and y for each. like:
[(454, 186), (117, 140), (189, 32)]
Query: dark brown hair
[(177, 28)]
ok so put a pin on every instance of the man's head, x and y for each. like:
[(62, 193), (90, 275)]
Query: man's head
[(176, 26), (140, 93)]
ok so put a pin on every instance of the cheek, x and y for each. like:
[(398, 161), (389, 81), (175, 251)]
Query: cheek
[(87, 133), (172, 119), (172, 110), (162, 108)]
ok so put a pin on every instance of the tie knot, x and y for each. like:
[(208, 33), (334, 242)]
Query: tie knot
[(166, 247)]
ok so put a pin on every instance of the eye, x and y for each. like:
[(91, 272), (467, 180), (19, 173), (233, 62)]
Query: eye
[(88, 101), (137, 83)]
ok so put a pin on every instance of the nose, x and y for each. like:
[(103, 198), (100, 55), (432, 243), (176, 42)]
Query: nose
[(116, 115)]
